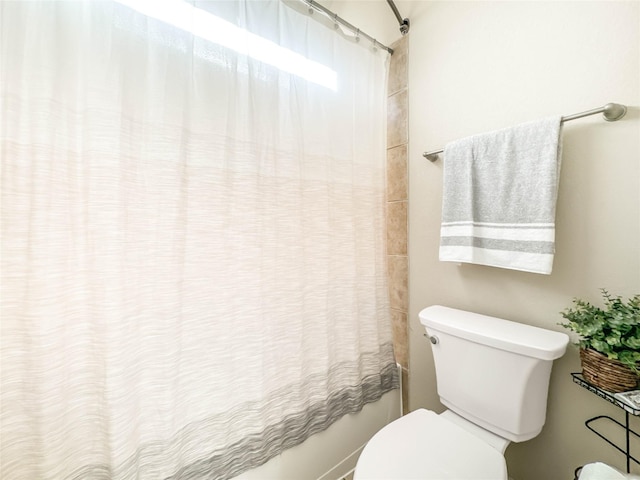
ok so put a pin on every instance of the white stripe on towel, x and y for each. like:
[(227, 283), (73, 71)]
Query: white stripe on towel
[(524, 261), (541, 232)]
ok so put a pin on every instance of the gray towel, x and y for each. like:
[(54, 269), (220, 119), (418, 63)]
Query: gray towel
[(499, 197)]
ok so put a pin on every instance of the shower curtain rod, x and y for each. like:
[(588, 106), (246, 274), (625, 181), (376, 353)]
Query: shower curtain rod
[(339, 20), (403, 22), (611, 112)]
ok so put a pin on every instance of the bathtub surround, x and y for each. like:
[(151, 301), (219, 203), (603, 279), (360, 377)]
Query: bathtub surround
[(397, 195), (193, 242)]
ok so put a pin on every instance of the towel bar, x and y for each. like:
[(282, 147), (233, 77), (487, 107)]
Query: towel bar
[(611, 112)]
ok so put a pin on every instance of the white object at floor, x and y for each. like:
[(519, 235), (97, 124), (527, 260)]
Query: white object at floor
[(601, 471)]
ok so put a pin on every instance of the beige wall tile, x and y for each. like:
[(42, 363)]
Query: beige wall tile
[(399, 324), (397, 119), (405, 390), (398, 283), (397, 228), (397, 173), (398, 66)]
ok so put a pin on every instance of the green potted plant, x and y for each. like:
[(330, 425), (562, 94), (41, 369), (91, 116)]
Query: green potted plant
[(609, 340)]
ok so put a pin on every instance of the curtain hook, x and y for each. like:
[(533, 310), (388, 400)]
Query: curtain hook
[(358, 35), (335, 21)]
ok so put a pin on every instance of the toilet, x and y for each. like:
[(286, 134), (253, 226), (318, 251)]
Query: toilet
[(493, 377)]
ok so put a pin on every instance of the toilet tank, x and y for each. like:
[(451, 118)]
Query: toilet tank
[(493, 372)]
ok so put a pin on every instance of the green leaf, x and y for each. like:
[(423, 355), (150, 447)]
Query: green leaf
[(613, 329)]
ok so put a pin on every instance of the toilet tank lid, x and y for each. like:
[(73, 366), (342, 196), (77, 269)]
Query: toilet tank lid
[(499, 333)]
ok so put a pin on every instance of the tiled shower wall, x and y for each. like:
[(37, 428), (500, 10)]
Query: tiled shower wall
[(397, 195)]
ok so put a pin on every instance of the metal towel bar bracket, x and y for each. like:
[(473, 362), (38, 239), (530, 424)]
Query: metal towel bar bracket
[(611, 112)]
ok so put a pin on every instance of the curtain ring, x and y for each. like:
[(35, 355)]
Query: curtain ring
[(358, 35), (335, 21)]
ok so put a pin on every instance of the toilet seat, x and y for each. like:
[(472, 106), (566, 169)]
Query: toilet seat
[(424, 445)]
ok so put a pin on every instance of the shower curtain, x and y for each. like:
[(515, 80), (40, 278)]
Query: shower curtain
[(193, 275)]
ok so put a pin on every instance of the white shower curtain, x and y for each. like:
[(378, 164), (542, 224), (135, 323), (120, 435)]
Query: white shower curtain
[(193, 275)]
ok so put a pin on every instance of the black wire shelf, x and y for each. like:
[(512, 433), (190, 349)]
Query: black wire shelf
[(628, 410)]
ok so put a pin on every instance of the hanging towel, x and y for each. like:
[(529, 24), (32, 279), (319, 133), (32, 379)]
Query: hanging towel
[(499, 197)]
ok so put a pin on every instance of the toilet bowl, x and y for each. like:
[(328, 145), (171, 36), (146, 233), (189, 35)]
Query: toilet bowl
[(493, 376), (424, 445)]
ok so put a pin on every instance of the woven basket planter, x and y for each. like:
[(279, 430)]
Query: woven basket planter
[(605, 373)]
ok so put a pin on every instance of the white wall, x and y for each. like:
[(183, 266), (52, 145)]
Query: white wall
[(476, 66)]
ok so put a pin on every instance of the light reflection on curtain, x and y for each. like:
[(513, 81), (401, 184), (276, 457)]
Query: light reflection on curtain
[(193, 268)]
